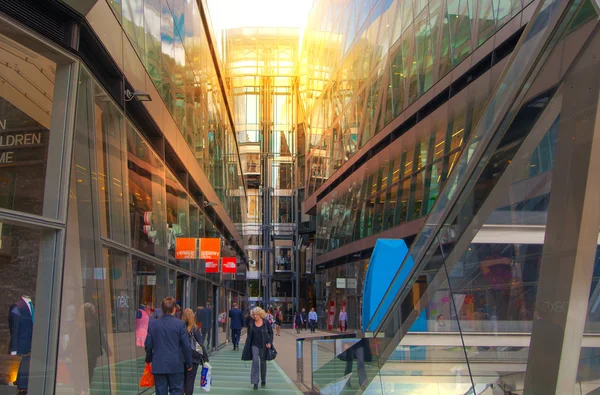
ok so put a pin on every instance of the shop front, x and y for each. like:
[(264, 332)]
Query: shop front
[(89, 214)]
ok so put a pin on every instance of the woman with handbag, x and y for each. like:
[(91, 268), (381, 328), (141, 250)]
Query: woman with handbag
[(258, 342), (199, 354)]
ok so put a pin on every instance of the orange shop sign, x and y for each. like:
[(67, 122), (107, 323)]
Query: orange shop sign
[(185, 248), (210, 248), (229, 264)]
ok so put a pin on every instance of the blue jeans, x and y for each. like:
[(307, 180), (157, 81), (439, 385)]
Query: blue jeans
[(235, 336), (169, 384)]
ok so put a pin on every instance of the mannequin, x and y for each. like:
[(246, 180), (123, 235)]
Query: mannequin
[(20, 320), (142, 318)]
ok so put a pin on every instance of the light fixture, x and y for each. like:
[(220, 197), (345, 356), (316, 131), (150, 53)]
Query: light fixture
[(208, 204), (139, 95)]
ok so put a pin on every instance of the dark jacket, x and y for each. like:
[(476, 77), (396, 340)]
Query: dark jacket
[(168, 345), (205, 317), (237, 318), (298, 319), (267, 338), (197, 357), (20, 323)]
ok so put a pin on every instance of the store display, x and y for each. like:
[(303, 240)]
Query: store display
[(20, 319)]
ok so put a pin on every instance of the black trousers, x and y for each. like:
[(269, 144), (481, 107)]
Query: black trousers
[(206, 335), (235, 336), (189, 380)]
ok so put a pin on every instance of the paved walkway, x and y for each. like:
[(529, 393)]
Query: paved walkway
[(231, 375)]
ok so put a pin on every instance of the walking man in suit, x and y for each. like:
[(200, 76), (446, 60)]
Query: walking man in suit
[(206, 319), (168, 350), (236, 318)]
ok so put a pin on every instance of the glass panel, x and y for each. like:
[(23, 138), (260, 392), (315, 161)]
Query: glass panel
[(121, 323), (177, 214), (25, 252), (29, 85), (147, 196), (111, 159)]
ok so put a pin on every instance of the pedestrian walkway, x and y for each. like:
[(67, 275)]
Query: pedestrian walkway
[(231, 375)]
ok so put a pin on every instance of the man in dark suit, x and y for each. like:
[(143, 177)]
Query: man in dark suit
[(236, 323), (205, 316), (168, 349)]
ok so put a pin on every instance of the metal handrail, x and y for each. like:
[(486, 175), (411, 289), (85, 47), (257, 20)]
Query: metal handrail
[(300, 352)]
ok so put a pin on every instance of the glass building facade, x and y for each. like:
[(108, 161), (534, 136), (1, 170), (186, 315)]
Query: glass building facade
[(97, 186), (498, 292)]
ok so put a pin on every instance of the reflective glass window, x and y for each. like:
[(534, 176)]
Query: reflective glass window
[(147, 208)]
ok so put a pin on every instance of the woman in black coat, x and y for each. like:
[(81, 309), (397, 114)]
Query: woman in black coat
[(258, 340), (196, 343)]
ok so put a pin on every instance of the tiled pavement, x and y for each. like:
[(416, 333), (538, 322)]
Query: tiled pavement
[(231, 375)]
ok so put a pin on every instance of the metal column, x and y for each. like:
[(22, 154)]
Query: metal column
[(571, 236)]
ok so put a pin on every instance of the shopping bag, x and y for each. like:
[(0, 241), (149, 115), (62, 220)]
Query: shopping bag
[(206, 377), (147, 379)]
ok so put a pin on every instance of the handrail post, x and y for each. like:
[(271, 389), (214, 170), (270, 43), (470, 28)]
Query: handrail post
[(300, 360)]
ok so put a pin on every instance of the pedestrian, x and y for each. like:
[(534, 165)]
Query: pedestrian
[(248, 318), (278, 321), (206, 319), (304, 319), (258, 340), (343, 320), (168, 350), (440, 324), (312, 318), (236, 322), (270, 317), (195, 343), (298, 322)]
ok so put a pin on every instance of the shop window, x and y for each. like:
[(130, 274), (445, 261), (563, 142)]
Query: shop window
[(24, 252), (177, 214), (30, 82)]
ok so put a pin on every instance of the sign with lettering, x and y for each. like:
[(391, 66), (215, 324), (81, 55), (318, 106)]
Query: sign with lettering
[(212, 266), (229, 264), (185, 248), (210, 248)]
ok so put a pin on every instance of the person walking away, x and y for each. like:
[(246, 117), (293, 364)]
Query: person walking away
[(168, 350), (198, 358), (304, 319), (312, 318), (343, 320), (206, 320), (236, 322), (278, 321), (258, 340), (298, 322)]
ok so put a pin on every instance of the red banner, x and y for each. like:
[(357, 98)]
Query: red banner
[(212, 266), (229, 264)]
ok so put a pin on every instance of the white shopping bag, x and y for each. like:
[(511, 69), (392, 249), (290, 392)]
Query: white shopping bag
[(206, 377)]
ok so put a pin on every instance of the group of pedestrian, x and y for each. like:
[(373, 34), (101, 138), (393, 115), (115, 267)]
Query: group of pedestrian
[(175, 349), (302, 320)]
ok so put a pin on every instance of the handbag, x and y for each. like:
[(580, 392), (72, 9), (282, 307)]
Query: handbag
[(195, 346), (271, 353)]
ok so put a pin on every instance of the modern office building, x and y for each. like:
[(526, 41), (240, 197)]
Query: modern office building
[(465, 128)]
